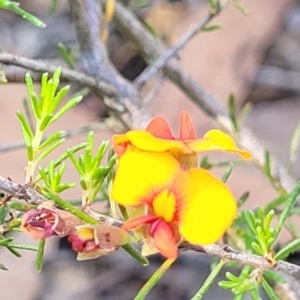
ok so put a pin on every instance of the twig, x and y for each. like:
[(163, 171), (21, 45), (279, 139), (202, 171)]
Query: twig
[(67, 134), (151, 48), (126, 106), (244, 258), (71, 75), (30, 195), (22, 192), (171, 52)]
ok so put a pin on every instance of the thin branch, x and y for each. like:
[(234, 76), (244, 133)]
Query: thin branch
[(244, 258), (93, 60), (30, 195), (151, 48), (71, 75), (21, 192), (107, 124), (171, 52)]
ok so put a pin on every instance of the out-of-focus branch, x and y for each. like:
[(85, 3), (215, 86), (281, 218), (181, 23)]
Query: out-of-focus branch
[(93, 60), (151, 49), (108, 124), (71, 75), (171, 52)]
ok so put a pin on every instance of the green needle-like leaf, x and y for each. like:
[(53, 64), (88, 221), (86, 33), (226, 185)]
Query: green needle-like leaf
[(14, 6), (292, 198), (269, 290), (209, 281), (48, 150), (288, 249), (154, 279), (228, 172), (71, 103), (40, 255)]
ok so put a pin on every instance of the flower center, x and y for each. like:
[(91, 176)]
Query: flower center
[(164, 205)]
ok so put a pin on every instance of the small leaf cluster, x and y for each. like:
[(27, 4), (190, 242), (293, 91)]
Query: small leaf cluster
[(46, 111), (91, 173)]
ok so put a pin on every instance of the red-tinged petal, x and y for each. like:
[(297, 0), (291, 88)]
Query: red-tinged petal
[(206, 207), (164, 238), (120, 143), (160, 128), (141, 175), (133, 223), (187, 130), (217, 140)]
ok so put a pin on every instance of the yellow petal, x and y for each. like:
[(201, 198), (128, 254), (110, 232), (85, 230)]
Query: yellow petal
[(141, 175), (164, 205), (206, 207), (144, 140), (217, 140)]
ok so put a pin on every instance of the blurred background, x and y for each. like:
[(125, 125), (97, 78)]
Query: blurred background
[(255, 57)]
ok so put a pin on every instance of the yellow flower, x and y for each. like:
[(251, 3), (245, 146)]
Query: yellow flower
[(190, 204), (158, 137)]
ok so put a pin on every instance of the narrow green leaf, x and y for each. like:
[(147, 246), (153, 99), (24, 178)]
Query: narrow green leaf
[(44, 88), (32, 96), (288, 249), (2, 267), (231, 113), (14, 6), (5, 241), (48, 150), (267, 220), (29, 149), (243, 199), (46, 121), (268, 165), (272, 275), (52, 7), (257, 248), (211, 27), (57, 99), (204, 164), (154, 279), (292, 198), (62, 158), (209, 281), (52, 138), (294, 146), (228, 172), (239, 7), (40, 255), (66, 56), (250, 219), (13, 251), (132, 251), (75, 162), (269, 290), (26, 130), (24, 247), (71, 103)]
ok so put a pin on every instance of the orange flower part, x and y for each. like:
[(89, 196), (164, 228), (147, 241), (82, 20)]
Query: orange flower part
[(91, 241), (193, 204), (158, 137)]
